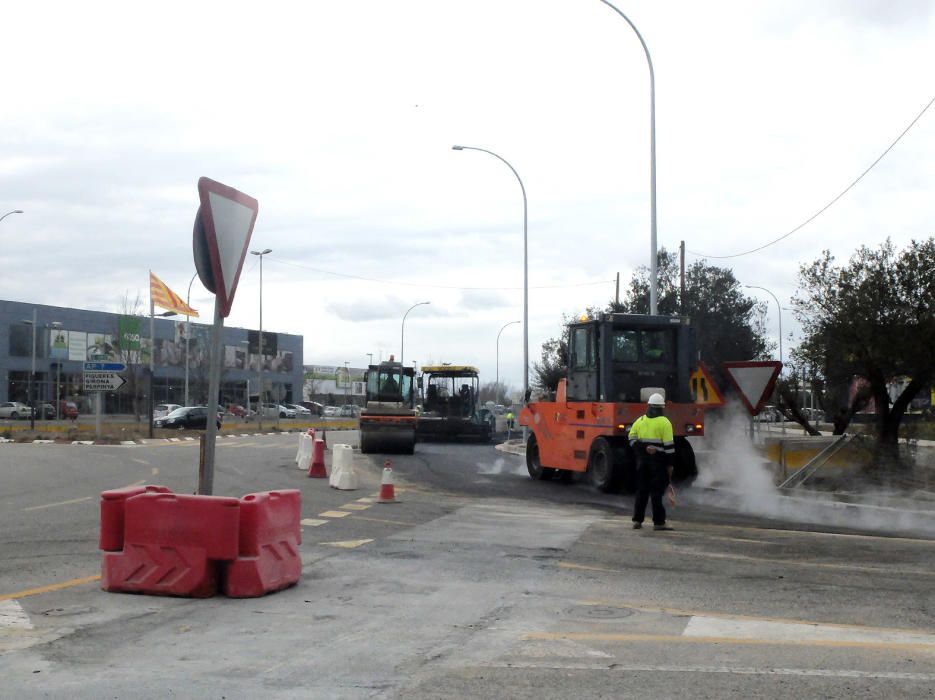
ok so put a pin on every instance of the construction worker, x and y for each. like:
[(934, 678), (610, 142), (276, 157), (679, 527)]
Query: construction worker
[(654, 447), (509, 420)]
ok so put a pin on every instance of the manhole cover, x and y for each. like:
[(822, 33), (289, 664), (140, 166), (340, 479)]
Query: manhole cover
[(597, 612)]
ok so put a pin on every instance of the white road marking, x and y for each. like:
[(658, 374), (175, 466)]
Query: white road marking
[(312, 522), (736, 670), (769, 630), (12, 616)]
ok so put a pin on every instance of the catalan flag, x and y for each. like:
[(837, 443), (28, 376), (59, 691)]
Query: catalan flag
[(160, 295)]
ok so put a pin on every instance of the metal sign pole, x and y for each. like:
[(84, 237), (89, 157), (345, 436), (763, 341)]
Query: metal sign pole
[(97, 416), (206, 476)]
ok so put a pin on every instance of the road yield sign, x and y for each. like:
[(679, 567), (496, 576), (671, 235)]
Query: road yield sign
[(223, 227), (754, 381), (704, 390)]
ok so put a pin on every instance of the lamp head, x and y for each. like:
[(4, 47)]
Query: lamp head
[(457, 148)]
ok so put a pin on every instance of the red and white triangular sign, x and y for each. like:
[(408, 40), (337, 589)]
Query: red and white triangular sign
[(754, 381), (223, 228)]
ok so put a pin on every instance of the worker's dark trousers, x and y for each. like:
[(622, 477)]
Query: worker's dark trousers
[(651, 482)]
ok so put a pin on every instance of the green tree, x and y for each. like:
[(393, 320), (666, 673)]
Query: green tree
[(873, 319), (724, 318)]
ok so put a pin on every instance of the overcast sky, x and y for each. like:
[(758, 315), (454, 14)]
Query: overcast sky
[(339, 118)]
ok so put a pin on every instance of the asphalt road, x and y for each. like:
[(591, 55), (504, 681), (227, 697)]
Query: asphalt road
[(478, 583)]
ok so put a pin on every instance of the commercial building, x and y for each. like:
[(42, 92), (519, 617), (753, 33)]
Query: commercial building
[(335, 385), (67, 338)]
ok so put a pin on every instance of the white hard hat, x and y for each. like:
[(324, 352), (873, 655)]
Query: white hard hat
[(657, 400)]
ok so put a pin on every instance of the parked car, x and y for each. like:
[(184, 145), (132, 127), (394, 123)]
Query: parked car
[(163, 409), (330, 411), (300, 411), (349, 411), (186, 417), (316, 408), (237, 410), (68, 409), (47, 411), (768, 414), (14, 410), (272, 410)]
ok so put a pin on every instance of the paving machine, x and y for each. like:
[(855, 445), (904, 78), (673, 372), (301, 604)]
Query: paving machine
[(388, 422), (615, 362), (450, 408)]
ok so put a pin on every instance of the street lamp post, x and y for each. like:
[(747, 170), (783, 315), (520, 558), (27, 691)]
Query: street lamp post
[(188, 301), (259, 411), (402, 338), (497, 381), (779, 308), (653, 281), (32, 372), (15, 211), (525, 265), (347, 382)]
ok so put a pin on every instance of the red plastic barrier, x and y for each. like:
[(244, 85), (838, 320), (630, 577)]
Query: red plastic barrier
[(270, 535), (172, 544), (112, 510)]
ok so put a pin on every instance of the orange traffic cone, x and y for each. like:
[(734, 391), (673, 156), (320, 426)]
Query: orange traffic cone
[(316, 469), (387, 492)]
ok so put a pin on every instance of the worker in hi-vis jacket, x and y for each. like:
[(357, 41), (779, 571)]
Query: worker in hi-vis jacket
[(654, 448)]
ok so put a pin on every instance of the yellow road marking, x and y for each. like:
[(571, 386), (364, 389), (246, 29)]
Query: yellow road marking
[(334, 514), (612, 637), (347, 544), (51, 587), (355, 506), (312, 522), (60, 503)]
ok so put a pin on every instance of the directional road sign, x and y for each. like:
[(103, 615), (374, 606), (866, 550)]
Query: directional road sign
[(105, 367), (223, 227), (754, 381), (103, 381)]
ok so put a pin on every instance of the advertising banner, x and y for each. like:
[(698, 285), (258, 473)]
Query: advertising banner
[(77, 346)]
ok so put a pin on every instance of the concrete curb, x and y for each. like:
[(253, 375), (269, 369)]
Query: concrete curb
[(141, 441)]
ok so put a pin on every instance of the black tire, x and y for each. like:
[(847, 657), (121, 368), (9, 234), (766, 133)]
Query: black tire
[(602, 467), (533, 465), (14, 415), (686, 468), (282, 414)]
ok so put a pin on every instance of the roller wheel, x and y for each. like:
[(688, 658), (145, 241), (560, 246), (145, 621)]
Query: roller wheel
[(533, 465), (686, 469), (602, 469)]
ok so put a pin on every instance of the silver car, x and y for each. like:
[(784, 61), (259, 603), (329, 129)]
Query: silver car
[(14, 409)]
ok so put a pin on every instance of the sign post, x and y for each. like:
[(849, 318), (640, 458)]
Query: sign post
[(98, 378), (223, 228)]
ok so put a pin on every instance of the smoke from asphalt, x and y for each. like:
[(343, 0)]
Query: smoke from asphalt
[(500, 466), (734, 475)]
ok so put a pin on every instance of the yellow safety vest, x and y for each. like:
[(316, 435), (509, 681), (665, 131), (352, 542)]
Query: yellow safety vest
[(653, 431)]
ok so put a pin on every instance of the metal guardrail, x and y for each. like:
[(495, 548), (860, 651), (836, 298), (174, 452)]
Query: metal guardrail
[(804, 472)]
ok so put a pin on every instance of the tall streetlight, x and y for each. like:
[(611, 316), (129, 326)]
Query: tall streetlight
[(525, 265), (32, 372), (370, 355), (402, 337), (188, 302), (259, 411), (779, 307), (15, 211), (497, 381), (653, 282)]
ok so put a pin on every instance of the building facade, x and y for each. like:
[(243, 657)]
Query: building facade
[(67, 338)]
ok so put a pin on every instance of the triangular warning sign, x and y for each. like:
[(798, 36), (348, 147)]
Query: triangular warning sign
[(223, 228), (703, 389), (754, 381)]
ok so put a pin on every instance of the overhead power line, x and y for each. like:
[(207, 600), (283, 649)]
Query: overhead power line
[(829, 204), (345, 275)]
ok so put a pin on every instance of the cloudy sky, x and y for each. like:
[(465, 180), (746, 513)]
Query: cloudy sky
[(339, 118)]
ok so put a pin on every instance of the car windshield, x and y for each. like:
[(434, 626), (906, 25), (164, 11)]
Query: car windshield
[(177, 413)]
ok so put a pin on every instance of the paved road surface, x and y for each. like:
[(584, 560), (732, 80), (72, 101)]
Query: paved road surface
[(479, 583)]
